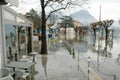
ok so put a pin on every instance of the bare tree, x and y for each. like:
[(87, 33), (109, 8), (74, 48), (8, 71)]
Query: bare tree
[(106, 24), (94, 27), (54, 6)]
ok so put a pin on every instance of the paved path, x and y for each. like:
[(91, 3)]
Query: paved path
[(58, 65)]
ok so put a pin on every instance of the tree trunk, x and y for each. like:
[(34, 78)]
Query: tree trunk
[(44, 42), (29, 45), (106, 37), (94, 37), (65, 32)]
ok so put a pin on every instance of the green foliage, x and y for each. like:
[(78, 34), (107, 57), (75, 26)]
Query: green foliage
[(34, 17), (67, 21)]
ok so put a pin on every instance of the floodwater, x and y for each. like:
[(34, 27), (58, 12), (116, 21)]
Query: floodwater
[(106, 63), (60, 64)]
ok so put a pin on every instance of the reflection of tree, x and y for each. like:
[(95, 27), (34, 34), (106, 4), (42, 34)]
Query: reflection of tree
[(12, 36), (19, 30), (94, 27), (44, 62)]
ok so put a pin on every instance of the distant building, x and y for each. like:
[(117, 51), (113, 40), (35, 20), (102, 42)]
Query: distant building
[(53, 32), (39, 31), (77, 23)]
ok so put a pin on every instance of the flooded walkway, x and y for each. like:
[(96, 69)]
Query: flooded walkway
[(58, 65)]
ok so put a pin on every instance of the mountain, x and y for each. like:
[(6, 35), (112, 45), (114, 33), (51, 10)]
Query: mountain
[(116, 27), (84, 17)]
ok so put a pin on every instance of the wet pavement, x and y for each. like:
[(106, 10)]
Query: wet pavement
[(107, 67), (58, 65)]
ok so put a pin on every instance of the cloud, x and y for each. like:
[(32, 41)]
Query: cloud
[(108, 10), (26, 5)]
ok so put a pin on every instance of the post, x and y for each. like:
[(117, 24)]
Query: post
[(114, 77), (88, 67), (73, 51), (78, 55), (15, 56), (98, 60), (70, 49)]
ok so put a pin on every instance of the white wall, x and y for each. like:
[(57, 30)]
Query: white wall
[(1, 39)]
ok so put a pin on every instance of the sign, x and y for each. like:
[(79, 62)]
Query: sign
[(13, 2)]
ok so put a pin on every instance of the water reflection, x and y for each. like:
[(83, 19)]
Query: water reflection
[(11, 40), (44, 63), (83, 44), (73, 54)]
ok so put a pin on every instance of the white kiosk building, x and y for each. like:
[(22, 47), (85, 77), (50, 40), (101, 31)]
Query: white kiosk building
[(15, 35)]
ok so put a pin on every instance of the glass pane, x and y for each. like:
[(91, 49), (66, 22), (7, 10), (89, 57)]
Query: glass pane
[(11, 40), (22, 40), (19, 20), (9, 16)]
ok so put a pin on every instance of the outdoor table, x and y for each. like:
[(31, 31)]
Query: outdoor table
[(26, 59), (20, 65), (33, 54)]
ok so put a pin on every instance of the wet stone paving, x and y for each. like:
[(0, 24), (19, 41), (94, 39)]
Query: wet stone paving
[(58, 65)]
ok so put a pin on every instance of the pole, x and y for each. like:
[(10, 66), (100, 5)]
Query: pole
[(114, 77), (88, 68), (100, 14)]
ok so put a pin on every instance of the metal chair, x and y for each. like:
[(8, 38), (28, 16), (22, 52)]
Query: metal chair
[(22, 74), (8, 72), (7, 78)]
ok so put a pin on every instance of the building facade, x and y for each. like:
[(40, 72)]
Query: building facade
[(15, 35)]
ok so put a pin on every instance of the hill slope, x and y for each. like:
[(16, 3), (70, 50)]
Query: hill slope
[(84, 17)]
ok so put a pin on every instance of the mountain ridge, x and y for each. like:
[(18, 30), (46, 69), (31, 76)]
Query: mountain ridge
[(83, 16)]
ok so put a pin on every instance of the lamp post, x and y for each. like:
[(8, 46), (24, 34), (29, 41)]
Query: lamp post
[(100, 34)]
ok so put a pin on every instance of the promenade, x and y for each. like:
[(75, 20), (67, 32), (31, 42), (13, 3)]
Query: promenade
[(59, 64)]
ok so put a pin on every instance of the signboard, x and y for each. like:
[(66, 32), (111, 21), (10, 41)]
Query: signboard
[(13, 2)]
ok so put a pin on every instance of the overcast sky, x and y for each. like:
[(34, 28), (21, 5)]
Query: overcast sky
[(109, 8)]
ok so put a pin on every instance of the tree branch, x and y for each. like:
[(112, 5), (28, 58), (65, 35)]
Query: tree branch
[(47, 2), (55, 10)]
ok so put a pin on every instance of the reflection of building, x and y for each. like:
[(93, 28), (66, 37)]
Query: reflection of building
[(53, 32), (15, 35), (70, 33), (39, 31)]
